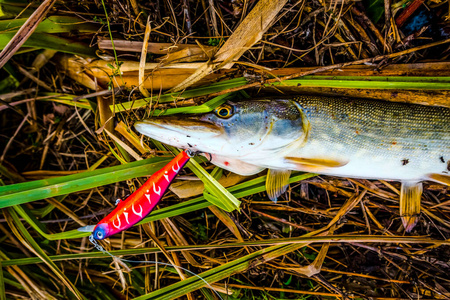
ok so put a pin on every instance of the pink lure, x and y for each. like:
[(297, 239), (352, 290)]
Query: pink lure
[(139, 204)]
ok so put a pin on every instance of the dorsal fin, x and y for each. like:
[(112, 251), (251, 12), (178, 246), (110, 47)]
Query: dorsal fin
[(276, 183), (410, 195)]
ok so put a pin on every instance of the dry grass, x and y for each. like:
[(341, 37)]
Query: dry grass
[(325, 238)]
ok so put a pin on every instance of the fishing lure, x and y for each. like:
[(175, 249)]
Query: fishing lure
[(140, 203), (137, 206)]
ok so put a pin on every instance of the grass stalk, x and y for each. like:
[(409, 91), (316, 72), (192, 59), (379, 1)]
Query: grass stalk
[(336, 239), (20, 231), (35, 190)]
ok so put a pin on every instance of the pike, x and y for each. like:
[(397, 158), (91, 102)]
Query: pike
[(357, 138)]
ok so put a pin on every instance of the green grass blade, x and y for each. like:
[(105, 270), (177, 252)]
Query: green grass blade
[(260, 243), (8, 84), (42, 212), (356, 82), (19, 229), (2, 283), (66, 100), (40, 189), (52, 42), (200, 109), (12, 283), (244, 189), (201, 91), (52, 24), (371, 82), (225, 199), (36, 225), (45, 34), (444, 79), (12, 10), (221, 197), (176, 210), (221, 272)]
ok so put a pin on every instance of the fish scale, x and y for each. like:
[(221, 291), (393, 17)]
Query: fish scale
[(371, 130)]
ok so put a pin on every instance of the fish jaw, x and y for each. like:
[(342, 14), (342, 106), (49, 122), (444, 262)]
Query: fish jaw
[(181, 132)]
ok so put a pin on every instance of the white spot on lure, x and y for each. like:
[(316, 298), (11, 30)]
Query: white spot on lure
[(114, 223), (138, 213), (126, 216), (148, 196), (176, 171), (157, 191), (166, 176)]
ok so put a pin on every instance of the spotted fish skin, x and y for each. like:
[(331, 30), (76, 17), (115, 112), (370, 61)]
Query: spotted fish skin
[(357, 138), (377, 139)]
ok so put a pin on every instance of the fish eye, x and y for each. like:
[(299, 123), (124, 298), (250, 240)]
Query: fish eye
[(99, 235), (224, 111)]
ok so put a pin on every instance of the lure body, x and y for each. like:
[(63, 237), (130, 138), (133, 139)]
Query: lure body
[(139, 204)]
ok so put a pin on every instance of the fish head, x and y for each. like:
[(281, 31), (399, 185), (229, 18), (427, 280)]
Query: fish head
[(101, 231), (247, 129)]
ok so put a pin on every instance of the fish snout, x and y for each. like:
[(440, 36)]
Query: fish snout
[(181, 132)]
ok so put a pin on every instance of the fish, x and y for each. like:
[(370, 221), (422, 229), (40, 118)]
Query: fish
[(353, 138), (139, 204)]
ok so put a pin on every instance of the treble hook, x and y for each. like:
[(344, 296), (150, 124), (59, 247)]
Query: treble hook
[(191, 154)]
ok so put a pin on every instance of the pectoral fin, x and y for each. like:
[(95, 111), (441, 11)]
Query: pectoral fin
[(441, 178), (314, 164), (276, 183), (410, 195)]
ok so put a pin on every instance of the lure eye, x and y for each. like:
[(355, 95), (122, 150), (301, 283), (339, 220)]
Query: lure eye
[(99, 235), (224, 111)]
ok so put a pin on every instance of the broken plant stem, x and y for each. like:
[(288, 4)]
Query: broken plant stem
[(25, 31)]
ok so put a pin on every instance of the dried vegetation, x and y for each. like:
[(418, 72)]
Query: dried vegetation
[(74, 87)]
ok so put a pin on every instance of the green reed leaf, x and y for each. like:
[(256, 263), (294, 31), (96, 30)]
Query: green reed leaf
[(18, 228), (40, 189), (201, 91)]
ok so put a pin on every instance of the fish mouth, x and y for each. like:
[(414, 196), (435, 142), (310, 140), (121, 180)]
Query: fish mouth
[(178, 124), (178, 131)]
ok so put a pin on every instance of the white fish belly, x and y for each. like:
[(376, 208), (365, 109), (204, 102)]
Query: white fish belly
[(393, 164)]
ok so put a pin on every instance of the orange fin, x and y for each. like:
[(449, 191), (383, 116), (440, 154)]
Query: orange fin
[(441, 178), (276, 183), (320, 162), (314, 164), (410, 195)]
